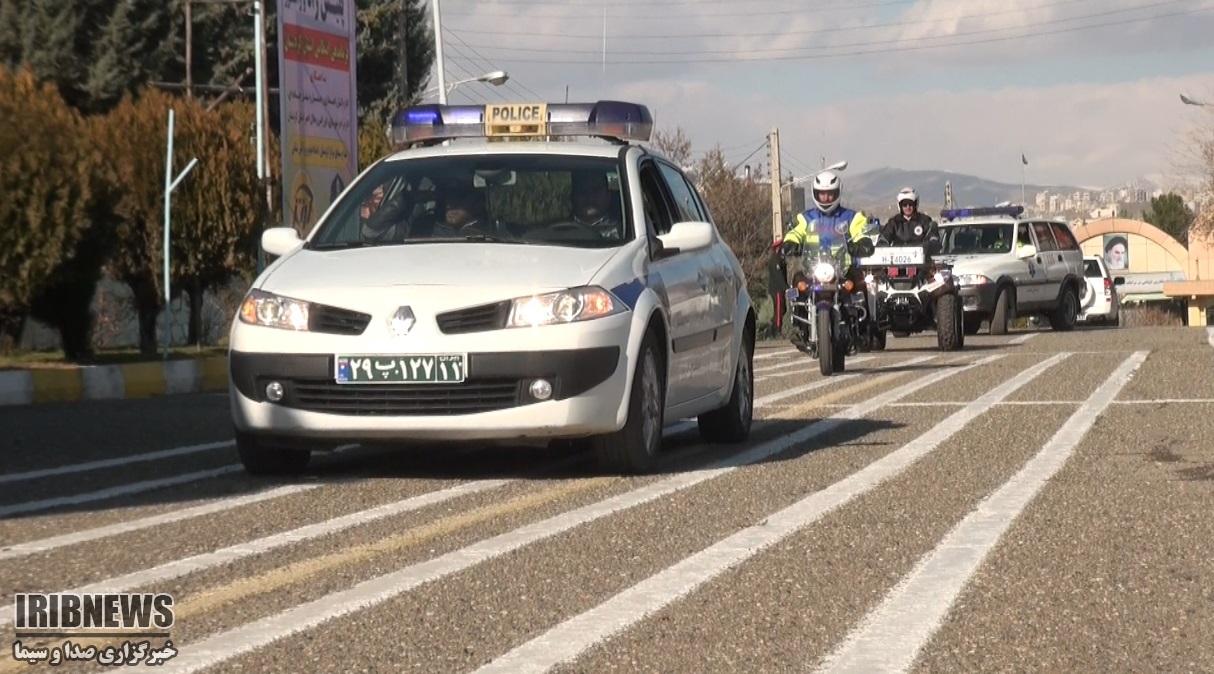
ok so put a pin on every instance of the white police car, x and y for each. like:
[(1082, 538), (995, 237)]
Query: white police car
[(470, 287)]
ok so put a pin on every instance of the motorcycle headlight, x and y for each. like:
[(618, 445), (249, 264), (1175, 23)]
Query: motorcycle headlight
[(273, 311), (565, 306), (824, 272)]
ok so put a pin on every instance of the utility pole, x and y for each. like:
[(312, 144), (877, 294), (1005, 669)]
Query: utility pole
[(777, 201)]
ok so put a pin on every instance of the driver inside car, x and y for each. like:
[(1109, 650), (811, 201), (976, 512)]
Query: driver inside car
[(464, 212), (592, 203)]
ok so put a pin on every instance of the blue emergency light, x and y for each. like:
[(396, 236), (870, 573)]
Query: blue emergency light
[(981, 211), (616, 120)]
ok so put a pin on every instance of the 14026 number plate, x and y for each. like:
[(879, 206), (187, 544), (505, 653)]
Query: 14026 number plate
[(419, 369), (894, 257)]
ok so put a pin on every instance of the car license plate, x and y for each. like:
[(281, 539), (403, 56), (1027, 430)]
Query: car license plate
[(419, 369), (894, 257)]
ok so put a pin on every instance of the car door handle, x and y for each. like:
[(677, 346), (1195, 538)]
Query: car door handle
[(1060, 257), (1040, 260)]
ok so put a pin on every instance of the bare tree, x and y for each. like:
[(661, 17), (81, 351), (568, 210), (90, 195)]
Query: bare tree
[(742, 211), (674, 144)]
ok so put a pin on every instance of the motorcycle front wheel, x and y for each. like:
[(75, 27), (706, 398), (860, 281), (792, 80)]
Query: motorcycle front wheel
[(830, 356)]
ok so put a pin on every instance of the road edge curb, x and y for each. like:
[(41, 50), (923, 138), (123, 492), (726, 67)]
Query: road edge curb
[(113, 382)]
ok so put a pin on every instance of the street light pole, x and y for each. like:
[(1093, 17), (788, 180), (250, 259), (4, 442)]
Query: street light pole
[(438, 52)]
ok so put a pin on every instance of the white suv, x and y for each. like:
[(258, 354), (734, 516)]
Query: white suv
[(1098, 298), (1009, 266)]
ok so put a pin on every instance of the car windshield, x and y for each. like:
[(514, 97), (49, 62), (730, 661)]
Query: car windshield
[(1091, 269), (976, 239), (555, 200)]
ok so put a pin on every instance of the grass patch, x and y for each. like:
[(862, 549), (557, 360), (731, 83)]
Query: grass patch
[(27, 360)]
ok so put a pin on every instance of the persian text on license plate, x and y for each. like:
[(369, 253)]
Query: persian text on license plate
[(419, 369)]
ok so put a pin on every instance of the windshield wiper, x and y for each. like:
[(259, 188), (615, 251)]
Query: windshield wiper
[(474, 238), (342, 245)]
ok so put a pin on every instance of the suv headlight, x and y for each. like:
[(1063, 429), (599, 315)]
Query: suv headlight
[(565, 306), (972, 279), (273, 311), (824, 272)]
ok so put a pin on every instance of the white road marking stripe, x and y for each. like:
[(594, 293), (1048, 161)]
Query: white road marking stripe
[(890, 638), (574, 636), (684, 426), (809, 365), (229, 644), (84, 536), (232, 553), (1023, 338), (110, 463), (1210, 335), (775, 353), (120, 490)]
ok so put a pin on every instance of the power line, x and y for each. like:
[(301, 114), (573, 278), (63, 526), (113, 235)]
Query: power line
[(490, 65), (811, 31), (597, 11), (891, 50)]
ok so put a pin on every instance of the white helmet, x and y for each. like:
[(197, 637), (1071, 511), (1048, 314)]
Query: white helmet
[(827, 182), (908, 193)]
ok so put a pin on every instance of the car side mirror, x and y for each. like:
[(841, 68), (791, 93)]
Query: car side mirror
[(1025, 252), (686, 236), (280, 241), (1120, 280)]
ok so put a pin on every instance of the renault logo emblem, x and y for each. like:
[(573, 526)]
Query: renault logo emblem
[(402, 322)]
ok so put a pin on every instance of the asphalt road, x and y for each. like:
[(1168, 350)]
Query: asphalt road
[(1037, 502)]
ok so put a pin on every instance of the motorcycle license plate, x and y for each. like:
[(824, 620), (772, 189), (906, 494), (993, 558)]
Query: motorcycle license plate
[(894, 257)]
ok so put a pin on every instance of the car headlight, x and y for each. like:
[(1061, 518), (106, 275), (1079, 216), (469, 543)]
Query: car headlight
[(824, 272), (565, 306), (972, 279), (272, 311)]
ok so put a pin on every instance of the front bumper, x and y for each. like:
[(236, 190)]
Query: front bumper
[(494, 403), (979, 299)]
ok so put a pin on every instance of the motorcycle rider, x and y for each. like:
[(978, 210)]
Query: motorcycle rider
[(830, 217), (910, 226)]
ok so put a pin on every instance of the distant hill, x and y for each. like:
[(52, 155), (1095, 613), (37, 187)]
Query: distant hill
[(879, 187)]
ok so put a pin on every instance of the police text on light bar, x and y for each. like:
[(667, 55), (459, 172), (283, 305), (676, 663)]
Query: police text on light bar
[(65, 614), (609, 119), (981, 211)]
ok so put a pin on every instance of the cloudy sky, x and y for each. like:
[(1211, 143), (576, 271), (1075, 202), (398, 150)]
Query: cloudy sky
[(1088, 90)]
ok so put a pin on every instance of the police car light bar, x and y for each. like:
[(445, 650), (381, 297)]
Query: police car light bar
[(611, 119), (981, 211)]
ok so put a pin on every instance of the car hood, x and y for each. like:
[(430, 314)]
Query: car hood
[(455, 265)]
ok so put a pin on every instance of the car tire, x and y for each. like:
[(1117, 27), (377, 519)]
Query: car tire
[(879, 338), (1001, 318), (264, 460), (949, 333), (1064, 317), (731, 423), (634, 448)]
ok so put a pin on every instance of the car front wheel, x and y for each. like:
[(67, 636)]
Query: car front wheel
[(633, 449), (264, 460)]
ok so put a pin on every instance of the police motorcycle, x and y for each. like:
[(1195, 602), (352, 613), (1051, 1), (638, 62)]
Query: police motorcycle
[(913, 294), (828, 314)]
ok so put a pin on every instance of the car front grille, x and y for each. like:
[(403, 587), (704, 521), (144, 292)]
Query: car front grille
[(334, 321), (471, 397), (474, 319)]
